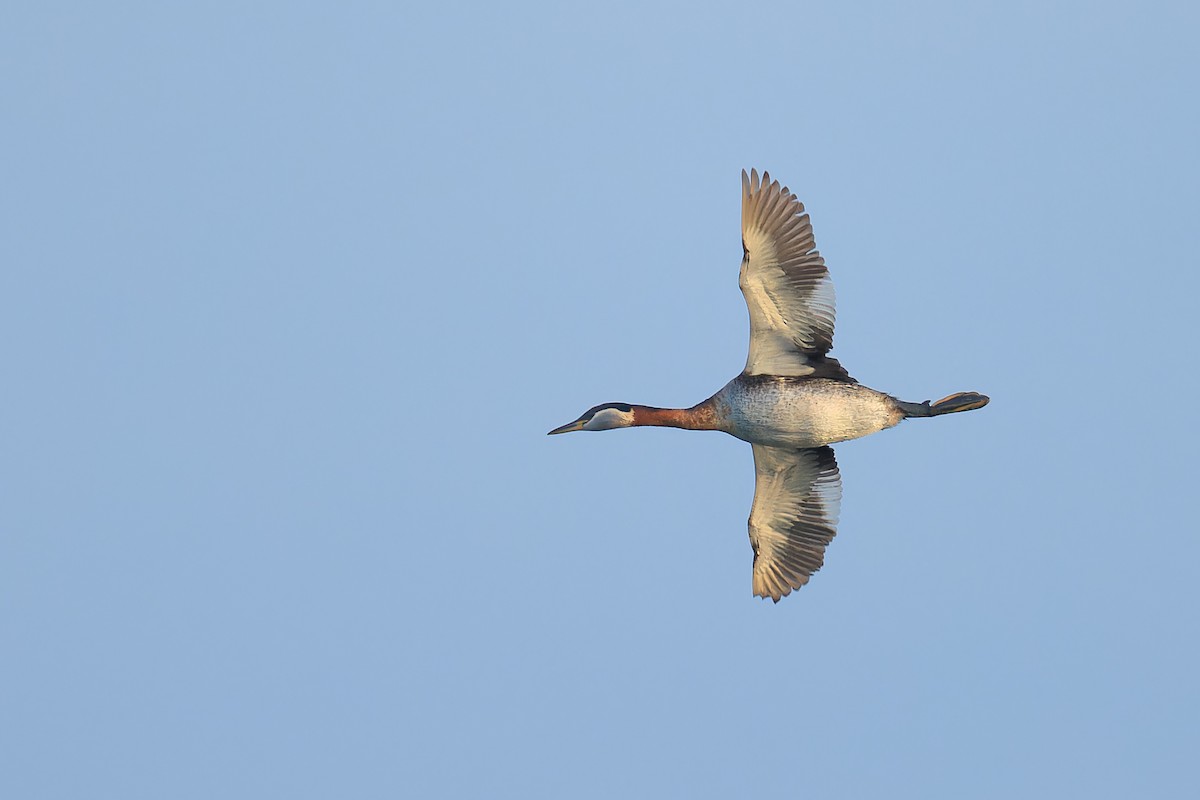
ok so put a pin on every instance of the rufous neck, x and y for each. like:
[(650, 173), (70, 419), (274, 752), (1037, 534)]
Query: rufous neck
[(696, 418)]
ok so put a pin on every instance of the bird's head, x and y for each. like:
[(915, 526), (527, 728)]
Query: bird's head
[(603, 417)]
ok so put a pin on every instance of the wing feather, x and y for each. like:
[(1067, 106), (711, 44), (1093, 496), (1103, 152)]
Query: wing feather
[(797, 497), (787, 287)]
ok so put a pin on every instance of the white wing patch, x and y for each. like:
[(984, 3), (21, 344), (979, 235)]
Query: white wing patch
[(797, 497), (784, 279)]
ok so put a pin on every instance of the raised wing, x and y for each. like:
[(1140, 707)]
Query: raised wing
[(786, 284), (797, 495)]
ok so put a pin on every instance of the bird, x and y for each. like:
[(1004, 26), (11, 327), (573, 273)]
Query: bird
[(792, 401)]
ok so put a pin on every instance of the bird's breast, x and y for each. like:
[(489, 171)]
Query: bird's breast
[(802, 412)]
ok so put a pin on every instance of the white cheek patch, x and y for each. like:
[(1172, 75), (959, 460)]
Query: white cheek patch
[(609, 418)]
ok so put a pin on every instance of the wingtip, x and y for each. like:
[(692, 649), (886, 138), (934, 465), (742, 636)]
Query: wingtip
[(754, 183), (750, 183), (773, 593)]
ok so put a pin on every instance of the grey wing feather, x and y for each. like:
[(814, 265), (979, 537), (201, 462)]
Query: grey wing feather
[(797, 497), (784, 279)]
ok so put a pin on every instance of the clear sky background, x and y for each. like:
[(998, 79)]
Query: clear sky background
[(291, 293)]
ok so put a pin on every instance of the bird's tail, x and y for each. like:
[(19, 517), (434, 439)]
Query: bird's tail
[(961, 401)]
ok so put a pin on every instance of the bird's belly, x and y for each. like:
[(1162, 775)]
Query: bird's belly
[(783, 412)]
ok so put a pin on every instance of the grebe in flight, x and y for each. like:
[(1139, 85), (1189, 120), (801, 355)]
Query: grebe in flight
[(792, 400)]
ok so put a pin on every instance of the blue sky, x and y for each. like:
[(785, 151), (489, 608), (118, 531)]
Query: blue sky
[(291, 293)]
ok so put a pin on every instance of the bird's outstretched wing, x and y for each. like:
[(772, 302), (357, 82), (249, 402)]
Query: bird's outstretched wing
[(797, 496), (786, 285)]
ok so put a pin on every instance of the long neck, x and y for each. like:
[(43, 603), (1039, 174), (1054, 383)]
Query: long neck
[(700, 417)]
